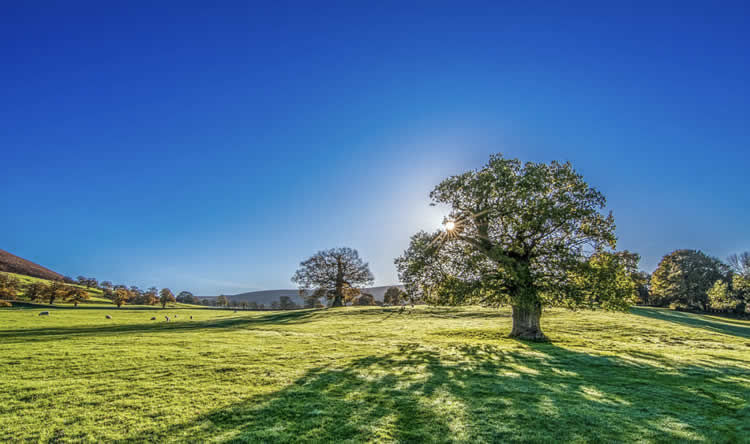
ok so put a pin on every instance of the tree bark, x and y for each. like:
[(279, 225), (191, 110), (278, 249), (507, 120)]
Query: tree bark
[(526, 322), (338, 299)]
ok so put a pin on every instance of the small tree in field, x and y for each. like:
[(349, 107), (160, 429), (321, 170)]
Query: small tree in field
[(222, 301), (55, 290), (9, 286), (336, 274), (526, 235), (36, 290), (393, 296), (166, 296), (137, 296), (121, 296), (151, 296), (77, 295), (365, 299), (185, 297)]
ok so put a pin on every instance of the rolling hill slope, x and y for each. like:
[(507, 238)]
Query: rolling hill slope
[(13, 264)]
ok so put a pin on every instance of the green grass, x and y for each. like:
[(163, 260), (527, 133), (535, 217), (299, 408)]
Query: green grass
[(372, 374)]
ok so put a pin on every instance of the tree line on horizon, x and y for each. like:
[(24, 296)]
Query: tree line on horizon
[(77, 291)]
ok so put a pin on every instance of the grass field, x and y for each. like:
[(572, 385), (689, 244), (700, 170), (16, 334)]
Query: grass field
[(371, 374)]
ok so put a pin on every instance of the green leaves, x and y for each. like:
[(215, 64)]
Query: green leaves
[(683, 279), (335, 274), (525, 234)]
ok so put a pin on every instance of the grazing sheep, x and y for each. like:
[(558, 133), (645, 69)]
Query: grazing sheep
[(153, 318), (191, 317), (175, 316), (167, 318), (44, 313), (108, 317)]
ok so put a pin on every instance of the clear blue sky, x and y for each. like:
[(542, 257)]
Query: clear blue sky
[(212, 148)]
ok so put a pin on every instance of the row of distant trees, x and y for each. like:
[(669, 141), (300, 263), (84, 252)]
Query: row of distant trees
[(393, 296), (77, 291), (693, 280), (10, 286)]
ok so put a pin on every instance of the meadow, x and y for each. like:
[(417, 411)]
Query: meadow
[(371, 374)]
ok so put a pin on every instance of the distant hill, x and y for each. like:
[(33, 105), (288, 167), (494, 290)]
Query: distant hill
[(14, 264), (268, 296)]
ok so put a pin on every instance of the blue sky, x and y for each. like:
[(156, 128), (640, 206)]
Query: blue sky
[(213, 149)]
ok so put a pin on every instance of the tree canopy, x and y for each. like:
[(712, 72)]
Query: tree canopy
[(393, 296), (166, 296), (527, 235), (335, 274), (120, 296), (77, 295), (683, 277), (9, 286)]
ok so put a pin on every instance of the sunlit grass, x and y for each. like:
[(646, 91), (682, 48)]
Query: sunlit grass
[(371, 374)]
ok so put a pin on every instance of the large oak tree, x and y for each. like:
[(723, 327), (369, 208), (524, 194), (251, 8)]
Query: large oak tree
[(528, 235), (335, 274)]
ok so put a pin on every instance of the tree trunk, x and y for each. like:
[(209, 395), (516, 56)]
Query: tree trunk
[(526, 322), (338, 298)]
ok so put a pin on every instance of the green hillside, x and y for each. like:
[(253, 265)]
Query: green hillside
[(95, 294), (372, 374)]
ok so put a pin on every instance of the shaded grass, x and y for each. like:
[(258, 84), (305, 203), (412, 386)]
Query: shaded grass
[(370, 374), (712, 323)]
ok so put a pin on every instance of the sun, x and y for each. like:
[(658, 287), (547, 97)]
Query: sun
[(450, 225)]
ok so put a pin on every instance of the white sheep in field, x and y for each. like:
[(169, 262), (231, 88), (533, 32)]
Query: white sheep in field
[(44, 313), (108, 317)]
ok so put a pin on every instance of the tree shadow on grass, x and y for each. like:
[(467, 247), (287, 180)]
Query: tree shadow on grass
[(470, 393), (158, 326), (711, 323)]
